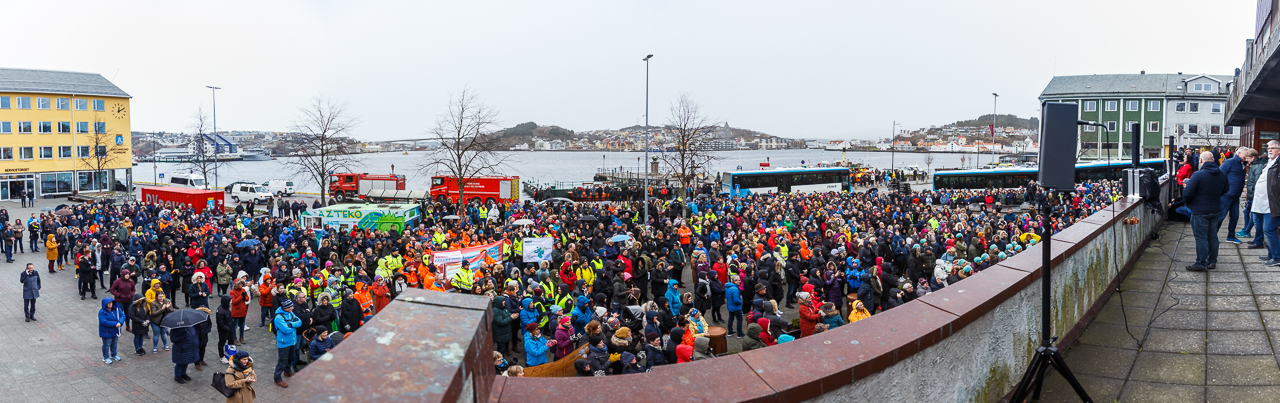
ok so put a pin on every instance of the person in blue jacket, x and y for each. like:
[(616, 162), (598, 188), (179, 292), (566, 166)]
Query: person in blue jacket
[(673, 297), (528, 315), (733, 298), (582, 314), (535, 346), (1233, 168), (110, 320), (286, 325), (1203, 193)]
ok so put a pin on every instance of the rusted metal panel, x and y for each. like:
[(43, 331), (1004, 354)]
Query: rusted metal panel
[(424, 347)]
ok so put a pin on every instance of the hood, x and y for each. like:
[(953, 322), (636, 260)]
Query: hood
[(627, 357), (702, 345), (50, 237), (1211, 168), (684, 353), (526, 302), (107, 300), (226, 302), (583, 300), (581, 367), (753, 331), (499, 302), (672, 283), (139, 297)]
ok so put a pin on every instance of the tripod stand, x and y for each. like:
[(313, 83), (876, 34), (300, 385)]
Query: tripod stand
[(1046, 355)]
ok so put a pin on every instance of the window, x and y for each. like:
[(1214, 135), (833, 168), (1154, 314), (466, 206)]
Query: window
[(6, 127), (82, 127), (99, 105), (1153, 126), (1153, 106), (1216, 108), (42, 103), (1269, 136), (26, 153), (1111, 126), (1089, 129), (1229, 131), (100, 151), (1090, 106), (6, 153), (1194, 107), (1132, 106), (1202, 87), (64, 127), (83, 151), (46, 127), (64, 104), (99, 127), (82, 104), (1180, 107), (46, 152), (23, 102), (24, 127), (1111, 106), (55, 183), (1215, 129), (64, 151), (1130, 126), (1193, 128), (4, 102)]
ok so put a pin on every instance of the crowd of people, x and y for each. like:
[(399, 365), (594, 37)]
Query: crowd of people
[(635, 295)]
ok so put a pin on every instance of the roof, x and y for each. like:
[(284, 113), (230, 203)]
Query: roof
[(1126, 84), (57, 82)]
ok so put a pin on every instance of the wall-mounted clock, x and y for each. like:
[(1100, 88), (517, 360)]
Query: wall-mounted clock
[(118, 111)]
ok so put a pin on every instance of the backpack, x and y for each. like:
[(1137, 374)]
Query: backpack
[(220, 384)]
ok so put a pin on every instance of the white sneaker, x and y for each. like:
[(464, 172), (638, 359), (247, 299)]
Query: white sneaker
[(107, 360), (246, 328), (153, 350), (224, 360), (117, 358)]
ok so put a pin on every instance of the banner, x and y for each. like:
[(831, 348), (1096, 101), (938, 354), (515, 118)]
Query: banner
[(451, 260), (538, 249)]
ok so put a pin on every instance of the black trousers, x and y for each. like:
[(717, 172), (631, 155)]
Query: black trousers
[(223, 339), (29, 307), (86, 285)]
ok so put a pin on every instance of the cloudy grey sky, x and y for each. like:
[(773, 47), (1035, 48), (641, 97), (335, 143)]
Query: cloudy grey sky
[(840, 69)]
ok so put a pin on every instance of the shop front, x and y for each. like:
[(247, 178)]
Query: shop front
[(12, 186)]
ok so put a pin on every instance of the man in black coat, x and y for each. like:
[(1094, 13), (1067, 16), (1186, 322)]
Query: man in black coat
[(225, 326), (1203, 195), (202, 338)]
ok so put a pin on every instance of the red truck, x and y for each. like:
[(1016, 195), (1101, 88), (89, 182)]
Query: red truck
[(198, 199), (348, 186), (489, 189)]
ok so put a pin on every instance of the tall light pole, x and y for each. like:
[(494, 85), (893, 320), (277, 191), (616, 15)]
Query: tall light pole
[(215, 133), (994, 98), (645, 193), (893, 147)]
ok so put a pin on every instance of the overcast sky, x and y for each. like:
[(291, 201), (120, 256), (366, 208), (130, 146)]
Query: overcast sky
[(843, 69)]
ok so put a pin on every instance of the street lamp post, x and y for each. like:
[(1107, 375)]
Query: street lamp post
[(645, 192), (994, 98), (893, 149), (214, 90)]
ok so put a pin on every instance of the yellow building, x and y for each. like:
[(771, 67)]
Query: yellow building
[(62, 132)]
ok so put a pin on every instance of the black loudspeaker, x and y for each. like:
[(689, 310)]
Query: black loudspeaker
[(1058, 143)]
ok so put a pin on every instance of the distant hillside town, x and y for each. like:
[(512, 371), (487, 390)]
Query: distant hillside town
[(1012, 135), (531, 137)]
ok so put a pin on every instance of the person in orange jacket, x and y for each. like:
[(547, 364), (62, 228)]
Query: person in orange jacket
[(366, 301)]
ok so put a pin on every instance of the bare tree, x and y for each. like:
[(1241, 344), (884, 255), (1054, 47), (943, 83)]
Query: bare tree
[(928, 163), (204, 156), (323, 134), (467, 149), (100, 153), (690, 133)]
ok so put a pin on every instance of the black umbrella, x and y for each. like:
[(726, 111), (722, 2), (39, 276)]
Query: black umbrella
[(587, 218), (183, 318)]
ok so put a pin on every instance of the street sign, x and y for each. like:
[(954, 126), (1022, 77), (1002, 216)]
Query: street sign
[(161, 176)]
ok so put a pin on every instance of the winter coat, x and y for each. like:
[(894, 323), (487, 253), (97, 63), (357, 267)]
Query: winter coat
[(286, 325), (1204, 190), (654, 356), (351, 315), (226, 324), (809, 318), (322, 317), (535, 350), (239, 302), (564, 341), (138, 314), (318, 347), (123, 289), (156, 313), (50, 248), (701, 348), (109, 317), (501, 321), (244, 390), (733, 297), (30, 284), (184, 345)]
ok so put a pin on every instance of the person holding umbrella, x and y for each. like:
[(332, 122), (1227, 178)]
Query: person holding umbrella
[(182, 333)]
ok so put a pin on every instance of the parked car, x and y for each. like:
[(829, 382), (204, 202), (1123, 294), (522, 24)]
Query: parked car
[(119, 187), (250, 191), (279, 187), (188, 181)]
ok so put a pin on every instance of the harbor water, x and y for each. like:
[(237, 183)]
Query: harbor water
[(551, 166)]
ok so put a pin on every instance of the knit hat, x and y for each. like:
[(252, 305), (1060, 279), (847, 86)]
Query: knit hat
[(530, 327), (240, 354), (785, 338), (286, 304), (564, 319), (623, 333), (804, 296), (600, 311), (596, 339)]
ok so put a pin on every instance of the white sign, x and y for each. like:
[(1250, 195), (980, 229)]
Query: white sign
[(538, 249)]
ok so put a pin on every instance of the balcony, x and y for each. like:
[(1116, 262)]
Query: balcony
[(1255, 92)]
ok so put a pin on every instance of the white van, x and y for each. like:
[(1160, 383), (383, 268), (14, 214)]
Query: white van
[(188, 181), (250, 191), (279, 187)]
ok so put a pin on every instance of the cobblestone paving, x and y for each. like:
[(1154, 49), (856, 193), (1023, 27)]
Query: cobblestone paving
[(1214, 343), (59, 357)]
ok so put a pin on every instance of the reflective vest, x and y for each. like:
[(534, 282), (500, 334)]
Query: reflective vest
[(463, 280), (366, 301)]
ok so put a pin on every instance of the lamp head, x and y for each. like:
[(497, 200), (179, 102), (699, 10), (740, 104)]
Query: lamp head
[(646, 58)]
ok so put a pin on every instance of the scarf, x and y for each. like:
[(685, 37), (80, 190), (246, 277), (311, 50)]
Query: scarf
[(699, 325)]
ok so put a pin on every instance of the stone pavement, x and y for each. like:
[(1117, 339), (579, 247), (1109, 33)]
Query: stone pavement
[(59, 357), (1212, 337)]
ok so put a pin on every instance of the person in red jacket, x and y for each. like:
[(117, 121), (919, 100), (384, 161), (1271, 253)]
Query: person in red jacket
[(381, 295), (239, 310), (809, 314)]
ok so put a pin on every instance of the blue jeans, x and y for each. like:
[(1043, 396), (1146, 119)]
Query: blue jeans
[(158, 333), (137, 341), (267, 315), (735, 317), (1248, 218), (282, 362), (1259, 228), (239, 327), (1204, 227), (1273, 240), (179, 370), (34, 239), (1230, 207), (109, 345)]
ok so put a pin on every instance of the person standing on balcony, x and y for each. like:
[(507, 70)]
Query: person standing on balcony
[(1203, 194)]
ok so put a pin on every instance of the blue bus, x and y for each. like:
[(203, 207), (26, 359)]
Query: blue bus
[(1012, 177), (785, 180)]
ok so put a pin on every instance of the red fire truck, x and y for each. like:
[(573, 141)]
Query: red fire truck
[(488, 189), (348, 186)]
